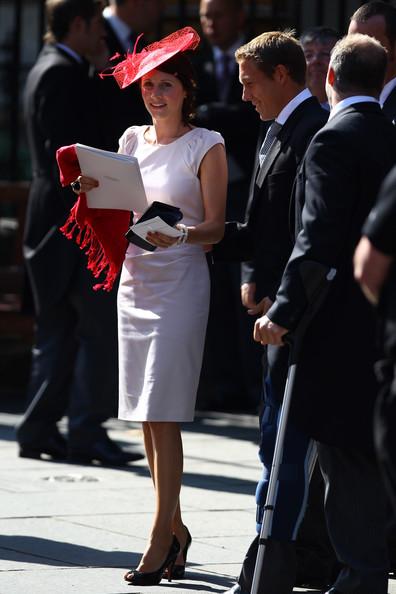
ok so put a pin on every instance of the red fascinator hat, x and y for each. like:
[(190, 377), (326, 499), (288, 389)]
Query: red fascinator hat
[(137, 65)]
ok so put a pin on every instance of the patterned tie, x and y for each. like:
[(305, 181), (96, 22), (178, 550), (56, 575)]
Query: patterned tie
[(269, 139)]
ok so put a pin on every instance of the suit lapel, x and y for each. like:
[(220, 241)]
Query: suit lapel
[(275, 150)]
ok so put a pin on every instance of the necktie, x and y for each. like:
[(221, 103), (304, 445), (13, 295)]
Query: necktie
[(269, 139), (224, 75)]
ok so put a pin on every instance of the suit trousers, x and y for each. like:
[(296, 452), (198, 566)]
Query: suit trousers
[(299, 455), (356, 515), (74, 365), (385, 413)]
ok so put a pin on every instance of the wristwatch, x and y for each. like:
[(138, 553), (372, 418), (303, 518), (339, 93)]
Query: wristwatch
[(76, 186)]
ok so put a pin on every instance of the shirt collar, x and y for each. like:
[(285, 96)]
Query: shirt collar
[(70, 52), (387, 90), (119, 27), (292, 105), (351, 101), (217, 52)]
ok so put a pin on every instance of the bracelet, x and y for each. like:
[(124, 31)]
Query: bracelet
[(76, 187), (184, 234)]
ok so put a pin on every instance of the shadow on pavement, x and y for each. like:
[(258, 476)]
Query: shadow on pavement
[(43, 551), (243, 427), (7, 433)]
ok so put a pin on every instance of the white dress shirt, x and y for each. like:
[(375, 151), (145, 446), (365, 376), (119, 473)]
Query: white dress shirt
[(70, 52), (218, 53), (351, 101), (292, 105), (120, 28)]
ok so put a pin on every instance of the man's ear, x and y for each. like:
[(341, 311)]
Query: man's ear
[(281, 73), (76, 25), (330, 76)]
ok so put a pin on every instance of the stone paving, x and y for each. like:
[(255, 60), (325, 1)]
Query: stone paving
[(68, 529)]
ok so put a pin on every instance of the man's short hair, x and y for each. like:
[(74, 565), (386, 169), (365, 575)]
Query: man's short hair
[(236, 5), (378, 8), (61, 13), (270, 49), (359, 63), (319, 35)]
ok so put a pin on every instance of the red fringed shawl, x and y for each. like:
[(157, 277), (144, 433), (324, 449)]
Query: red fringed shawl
[(100, 232)]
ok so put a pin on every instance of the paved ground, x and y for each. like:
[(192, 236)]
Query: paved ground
[(68, 529)]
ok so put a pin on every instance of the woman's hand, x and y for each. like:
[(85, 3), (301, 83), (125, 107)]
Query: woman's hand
[(160, 239), (84, 184)]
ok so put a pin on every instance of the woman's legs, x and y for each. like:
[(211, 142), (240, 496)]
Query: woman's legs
[(178, 527), (148, 446), (181, 533), (165, 454)]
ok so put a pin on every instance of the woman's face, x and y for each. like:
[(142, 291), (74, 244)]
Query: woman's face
[(163, 94)]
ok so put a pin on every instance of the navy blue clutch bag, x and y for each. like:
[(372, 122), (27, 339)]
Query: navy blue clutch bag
[(168, 213)]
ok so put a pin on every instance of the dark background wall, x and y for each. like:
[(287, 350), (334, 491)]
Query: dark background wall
[(22, 26)]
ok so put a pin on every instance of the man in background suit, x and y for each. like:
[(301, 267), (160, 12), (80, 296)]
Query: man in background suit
[(124, 21), (335, 388), (74, 363), (317, 44), (230, 377), (376, 272), (272, 72), (378, 19)]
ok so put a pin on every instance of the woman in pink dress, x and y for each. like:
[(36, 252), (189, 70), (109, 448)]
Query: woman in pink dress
[(163, 298)]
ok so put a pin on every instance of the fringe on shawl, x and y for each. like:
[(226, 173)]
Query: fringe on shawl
[(87, 240)]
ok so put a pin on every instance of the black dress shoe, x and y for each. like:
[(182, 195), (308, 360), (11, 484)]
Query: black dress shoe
[(333, 591), (105, 451), (55, 447)]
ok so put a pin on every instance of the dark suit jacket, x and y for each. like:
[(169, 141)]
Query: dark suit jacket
[(380, 228), (120, 108), (381, 225), (266, 237), (335, 386), (59, 110), (389, 107)]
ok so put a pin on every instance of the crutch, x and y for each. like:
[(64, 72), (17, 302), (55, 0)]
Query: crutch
[(316, 279)]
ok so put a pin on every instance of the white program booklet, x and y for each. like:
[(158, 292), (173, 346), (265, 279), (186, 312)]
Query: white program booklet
[(155, 224), (119, 177)]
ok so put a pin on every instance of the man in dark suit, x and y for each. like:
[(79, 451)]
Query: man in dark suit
[(230, 377), (124, 21), (335, 387), (74, 364), (317, 44), (219, 100), (272, 72), (378, 19), (376, 272)]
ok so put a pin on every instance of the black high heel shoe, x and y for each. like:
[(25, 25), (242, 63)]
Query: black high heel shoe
[(179, 570), (152, 578)]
